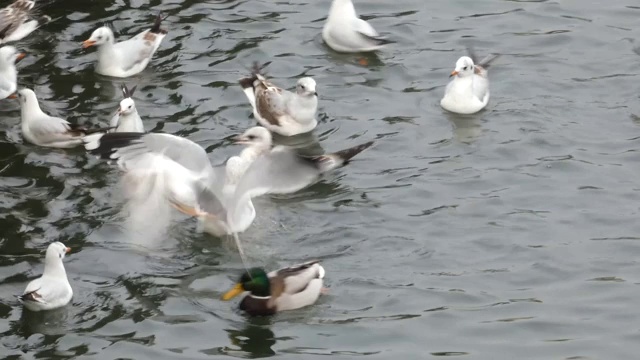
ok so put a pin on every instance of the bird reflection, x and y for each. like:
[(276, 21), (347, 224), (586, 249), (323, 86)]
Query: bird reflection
[(52, 322), (256, 338), (465, 128), (306, 144)]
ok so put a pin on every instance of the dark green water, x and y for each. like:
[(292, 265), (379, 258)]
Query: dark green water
[(510, 234)]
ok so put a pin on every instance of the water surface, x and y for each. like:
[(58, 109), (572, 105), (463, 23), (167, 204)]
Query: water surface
[(509, 234)]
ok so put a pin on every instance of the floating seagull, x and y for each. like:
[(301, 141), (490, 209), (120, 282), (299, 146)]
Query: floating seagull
[(345, 32), (128, 57), (127, 118), (9, 56), (180, 170), (285, 289), (279, 110), (41, 129), (468, 92), (15, 23), (52, 289)]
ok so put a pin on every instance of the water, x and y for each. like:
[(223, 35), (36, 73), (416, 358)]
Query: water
[(510, 234)]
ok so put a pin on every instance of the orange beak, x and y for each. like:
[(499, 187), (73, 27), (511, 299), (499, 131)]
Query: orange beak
[(453, 73), (20, 56), (88, 43), (67, 250), (12, 96)]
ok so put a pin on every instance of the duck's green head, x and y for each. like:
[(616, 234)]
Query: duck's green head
[(255, 280)]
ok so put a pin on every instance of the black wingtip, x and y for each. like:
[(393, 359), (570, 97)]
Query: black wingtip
[(256, 69), (349, 153), (111, 142), (378, 40), (156, 29), (126, 92)]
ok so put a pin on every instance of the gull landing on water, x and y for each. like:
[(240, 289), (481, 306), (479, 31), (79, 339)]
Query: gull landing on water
[(468, 92), (128, 57), (345, 32), (126, 118), (16, 21), (41, 129), (279, 110), (9, 57), (52, 289)]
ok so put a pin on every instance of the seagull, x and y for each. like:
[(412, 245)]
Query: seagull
[(15, 23), (52, 289), (9, 56), (127, 118), (345, 32), (41, 129), (279, 110), (468, 92), (128, 57), (180, 170)]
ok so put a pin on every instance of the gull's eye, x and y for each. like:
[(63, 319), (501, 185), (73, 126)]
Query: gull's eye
[(302, 87), (251, 137), (100, 37), (465, 68), (129, 106)]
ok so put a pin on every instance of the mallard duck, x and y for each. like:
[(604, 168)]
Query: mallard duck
[(285, 289), (52, 289)]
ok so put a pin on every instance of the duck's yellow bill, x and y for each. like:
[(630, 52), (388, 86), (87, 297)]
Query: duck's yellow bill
[(237, 290)]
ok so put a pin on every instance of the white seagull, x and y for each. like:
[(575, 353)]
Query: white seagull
[(41, 129), (128, 57), (15, 21), (468, 92), (220, 196), (279, 110), (9, 56), (127, 118), (52, 289), (345, 32)]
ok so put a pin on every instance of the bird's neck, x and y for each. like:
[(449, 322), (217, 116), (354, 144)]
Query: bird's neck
[(54, 268), (32, 109), (342, 9)]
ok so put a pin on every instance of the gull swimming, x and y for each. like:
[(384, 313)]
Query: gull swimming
[(41, 129), (279, 110), (468, 92), (289, 288), (126, 118), (9, 56), (128, 57), (345, 32), (15, 21), (180, 171), (52, 290)]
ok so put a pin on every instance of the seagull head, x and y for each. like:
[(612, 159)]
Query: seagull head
[(464, 67), (56, 250), (9, 55), (256, 136), (99, 37), (127, 106), (306, 87), (25, 96)]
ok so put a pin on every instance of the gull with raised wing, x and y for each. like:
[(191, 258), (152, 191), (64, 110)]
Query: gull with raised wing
[(345, 32), (281, 111), (468, 92), (127, 118), (17, 21), (9, 56), (41, 129), (180, 170), (128, 57), (289, 288), (52, 290)]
